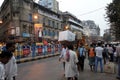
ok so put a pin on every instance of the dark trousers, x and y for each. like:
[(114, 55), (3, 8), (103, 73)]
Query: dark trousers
[(104, 59), (71, 78), (81, 63), (64, 66), (111, 57), (118, 72), (13, 78)]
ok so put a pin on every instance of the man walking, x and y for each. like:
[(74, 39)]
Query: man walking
[(62, 55), (11, 66), (5, 56), (110, 52), (99, 57), (81, 57), (71, 61)]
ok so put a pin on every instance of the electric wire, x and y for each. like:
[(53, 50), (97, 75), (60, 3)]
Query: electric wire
[(92, 11)]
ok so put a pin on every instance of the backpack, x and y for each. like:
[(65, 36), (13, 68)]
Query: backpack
[(91, 52)]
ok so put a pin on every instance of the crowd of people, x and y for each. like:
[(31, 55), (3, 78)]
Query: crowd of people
[(73, 59), (99, 54)]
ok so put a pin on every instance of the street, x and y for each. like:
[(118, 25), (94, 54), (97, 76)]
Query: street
[(51, 69), (43, 69)]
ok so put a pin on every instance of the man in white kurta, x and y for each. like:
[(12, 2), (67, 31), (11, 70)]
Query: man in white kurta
[(5, 56), (11, 69), (2, 71), (11, 66), (71, 65)]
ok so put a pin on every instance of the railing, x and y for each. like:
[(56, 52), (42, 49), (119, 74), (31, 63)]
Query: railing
[(33, 51)]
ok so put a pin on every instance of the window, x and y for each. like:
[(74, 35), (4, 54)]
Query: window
[(60, 26), (43, 20), (44, 32), (30, 17), (24, 27), (48, 32), (49, 22), (30, 29), (53, 24), (53, 33), (57, 26), (49, 4)]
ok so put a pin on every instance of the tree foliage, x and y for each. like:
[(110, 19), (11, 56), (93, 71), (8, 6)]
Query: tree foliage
[(113, 17), (107, 37)]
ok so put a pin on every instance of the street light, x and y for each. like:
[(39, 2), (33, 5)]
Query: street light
[(66, 27), (35, 17)]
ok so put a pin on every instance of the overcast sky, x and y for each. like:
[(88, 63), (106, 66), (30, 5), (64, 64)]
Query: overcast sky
[(86, 10)]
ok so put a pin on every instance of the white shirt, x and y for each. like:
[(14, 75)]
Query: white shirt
[(71, 66), (110, 50), (2, 71), (99, 51), (118, 50), (11, 68), (63, 53)]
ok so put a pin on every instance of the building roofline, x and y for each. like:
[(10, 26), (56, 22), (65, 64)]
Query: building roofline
[(45, 9)]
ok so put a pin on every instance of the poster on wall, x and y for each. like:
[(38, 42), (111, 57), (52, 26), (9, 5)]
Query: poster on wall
[(12, 31), (17, 31)]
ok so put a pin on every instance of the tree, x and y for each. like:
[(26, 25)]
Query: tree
[(113, 17), (107, 37)]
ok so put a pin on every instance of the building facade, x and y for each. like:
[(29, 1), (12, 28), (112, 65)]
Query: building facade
[(50, 4), (72, 23), (19, 22), (51, 21), (91, 30)]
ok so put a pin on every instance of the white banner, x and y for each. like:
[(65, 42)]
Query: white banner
[(17, 31)]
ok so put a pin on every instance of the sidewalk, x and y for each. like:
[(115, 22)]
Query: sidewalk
[(27, 59)]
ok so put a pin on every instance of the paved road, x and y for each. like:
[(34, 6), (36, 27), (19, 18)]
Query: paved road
[(51, 69), (43, 69)]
